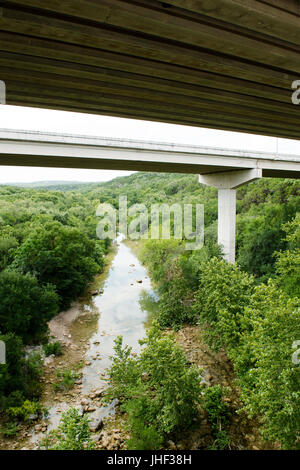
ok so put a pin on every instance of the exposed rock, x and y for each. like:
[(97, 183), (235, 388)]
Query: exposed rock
[(91, 408), (33, 417), (96, 424), (171, 445)]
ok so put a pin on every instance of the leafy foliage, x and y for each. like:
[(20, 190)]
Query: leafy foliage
[(157, 389), (24, 411), (269, 379), (25, 307), (72, 433), (218, 414), (288, 261), (61, 256), (67, 378), (20, 376), (53, 348), (10, 429), (224, 291)]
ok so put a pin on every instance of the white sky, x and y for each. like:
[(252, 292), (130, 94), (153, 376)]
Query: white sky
[(15, 117)]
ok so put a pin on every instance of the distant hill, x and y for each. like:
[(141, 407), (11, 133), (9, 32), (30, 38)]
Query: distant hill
[(54, 185)]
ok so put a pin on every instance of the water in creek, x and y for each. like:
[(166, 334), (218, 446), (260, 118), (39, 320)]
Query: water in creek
[(125, 305), (120, 313)]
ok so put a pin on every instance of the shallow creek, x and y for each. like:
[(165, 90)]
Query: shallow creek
[(122, 307)]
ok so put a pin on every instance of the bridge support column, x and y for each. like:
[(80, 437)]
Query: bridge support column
[(226, 183)]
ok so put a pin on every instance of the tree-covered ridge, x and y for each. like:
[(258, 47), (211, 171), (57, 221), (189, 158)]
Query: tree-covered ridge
[(49, 252), (262, 208)]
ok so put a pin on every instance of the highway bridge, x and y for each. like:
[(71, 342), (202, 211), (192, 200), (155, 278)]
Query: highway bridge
[(223, 64), (224, 169)]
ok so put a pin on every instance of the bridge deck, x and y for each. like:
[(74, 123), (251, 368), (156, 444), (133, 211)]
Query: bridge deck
[(26, 148), (224, 64)]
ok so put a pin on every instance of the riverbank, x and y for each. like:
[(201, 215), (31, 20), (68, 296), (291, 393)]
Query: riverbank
[(109, 307), (121, 301)]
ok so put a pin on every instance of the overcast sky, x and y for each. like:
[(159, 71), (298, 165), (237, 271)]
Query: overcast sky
[(15, 117)]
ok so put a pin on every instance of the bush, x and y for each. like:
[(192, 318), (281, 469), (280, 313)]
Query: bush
[(67, 378), (20, 376), (24, 411), (10, 429), (59, 255), (72, 433), (25, 307), (53, 348), (218, 415), (175, 303), (288, 262), (158, 390), (268, 377), (224, 291), (176, 272)]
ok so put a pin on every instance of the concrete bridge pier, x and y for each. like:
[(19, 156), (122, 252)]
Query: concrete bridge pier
[(226, 183)]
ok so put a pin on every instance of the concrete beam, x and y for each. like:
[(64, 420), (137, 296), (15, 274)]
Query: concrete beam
[(230, 179), (31, 148), (226, 183)]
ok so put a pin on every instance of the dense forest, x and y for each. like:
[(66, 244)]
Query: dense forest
[(49, 252)]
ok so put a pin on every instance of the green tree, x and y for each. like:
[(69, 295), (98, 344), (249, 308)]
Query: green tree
[(288, 261), (157, 389), (73, 433), (224, 291), (60, 255), (25, 307), (269, 378)]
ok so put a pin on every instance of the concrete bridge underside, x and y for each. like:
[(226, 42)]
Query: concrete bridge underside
[(224, 64)]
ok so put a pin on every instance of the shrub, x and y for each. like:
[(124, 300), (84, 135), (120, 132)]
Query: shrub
[(53, 348), (10, 429), (224, 291), (60, 255), (268, 377), (24, 411), (175, 303), (25, 307), (67, 378), (72, 433), (20, 376), (218, 414), (288, 262), (158, 390)]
